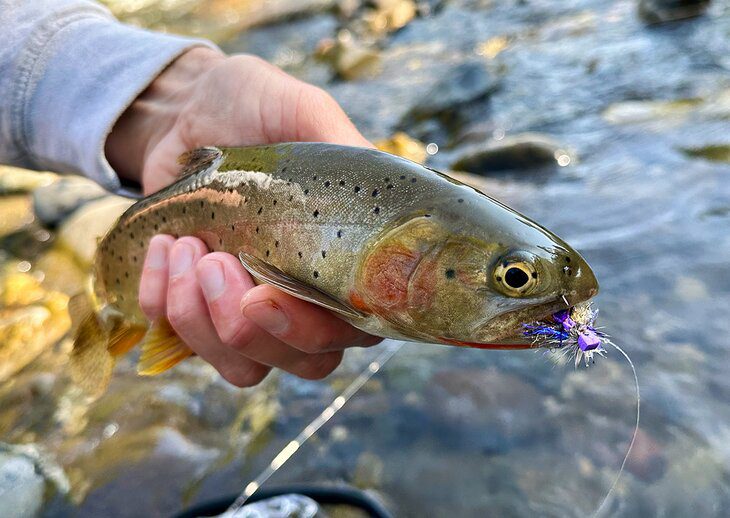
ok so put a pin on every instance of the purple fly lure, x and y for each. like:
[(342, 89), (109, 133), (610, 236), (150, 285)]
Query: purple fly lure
[(571, 332)]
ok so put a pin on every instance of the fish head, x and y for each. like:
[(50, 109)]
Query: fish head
[(472, 276)]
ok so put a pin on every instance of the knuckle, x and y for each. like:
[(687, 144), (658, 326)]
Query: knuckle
[(244, 376), (320, 366), (238, 337)]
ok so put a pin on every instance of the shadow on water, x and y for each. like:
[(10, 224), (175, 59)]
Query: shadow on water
[(644, 112)]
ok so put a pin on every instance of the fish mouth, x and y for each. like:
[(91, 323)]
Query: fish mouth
[(508, 329)]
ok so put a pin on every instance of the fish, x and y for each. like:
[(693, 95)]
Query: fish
[(395, 248)]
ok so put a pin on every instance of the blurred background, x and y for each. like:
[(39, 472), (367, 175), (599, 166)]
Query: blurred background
[(606, 121)]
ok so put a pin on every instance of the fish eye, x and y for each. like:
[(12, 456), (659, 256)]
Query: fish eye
[(516, 278)]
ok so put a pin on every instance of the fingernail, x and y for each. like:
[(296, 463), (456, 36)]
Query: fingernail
[(212, 280), (157, 254), (181, 259), (268, 315)]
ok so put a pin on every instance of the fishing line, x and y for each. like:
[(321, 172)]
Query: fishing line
[(636, 429), (328, 413)]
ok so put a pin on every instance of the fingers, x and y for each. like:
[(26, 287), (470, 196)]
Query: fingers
[(153, 283), (302, 325), (223, 280), (187, 313)]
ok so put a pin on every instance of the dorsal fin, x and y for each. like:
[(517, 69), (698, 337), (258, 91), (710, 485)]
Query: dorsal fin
[(198, 160)]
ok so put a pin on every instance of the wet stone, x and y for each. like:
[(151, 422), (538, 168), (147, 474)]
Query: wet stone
[(55, 202), (518, 152), (467, 83), (21, 487), (660, 11)]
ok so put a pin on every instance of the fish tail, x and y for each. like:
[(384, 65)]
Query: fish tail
[(98, 342)]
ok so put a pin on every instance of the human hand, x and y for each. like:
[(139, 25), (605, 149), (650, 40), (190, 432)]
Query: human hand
[(206, 98)]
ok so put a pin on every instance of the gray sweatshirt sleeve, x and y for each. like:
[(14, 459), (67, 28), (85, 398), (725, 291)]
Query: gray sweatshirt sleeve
[(68, 70)]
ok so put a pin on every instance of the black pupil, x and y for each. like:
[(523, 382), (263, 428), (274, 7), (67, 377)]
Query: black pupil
[(515, 277)]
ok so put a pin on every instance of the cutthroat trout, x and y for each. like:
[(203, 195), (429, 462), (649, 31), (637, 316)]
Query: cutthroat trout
[(392, 247)]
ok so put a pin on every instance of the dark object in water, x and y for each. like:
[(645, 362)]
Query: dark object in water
[(661, 11), (337, 495)]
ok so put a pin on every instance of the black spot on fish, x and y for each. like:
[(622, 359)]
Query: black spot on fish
[(131, 235), (460, 200), (357, 188), (212, 215), (276, 244), (402, 177), (157, 227), (257, 230), (339, 233), (283, 170), (220, 241), (164, 219), (259, 211), (306, 191), (413, 180), (315, 273), (375, 193), (267, 253), (299, 254), (534, 275), (202, 204), (126, 275), (386, 180), (324, 254), (141, 244), (567, 259), (291, 197), (118, 281), (376, 210), (342, 182), (499, 279), (134, 258), (315, 213), (426, 215), (314, 178), (327, 183), (274, 203), (233, 227), (450, 274), (389, 186), (184, 210)]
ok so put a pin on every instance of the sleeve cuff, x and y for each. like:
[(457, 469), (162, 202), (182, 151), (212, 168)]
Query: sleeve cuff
[(82, 78)]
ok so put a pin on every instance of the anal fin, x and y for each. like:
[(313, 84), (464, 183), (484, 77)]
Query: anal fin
[(265, 272), (90, 363), (162, 349)]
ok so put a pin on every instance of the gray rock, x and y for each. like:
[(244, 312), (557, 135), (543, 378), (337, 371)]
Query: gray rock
[(660, 11), (483, 408), (525, 151), (53, 203), (467, 83), (21, 487)]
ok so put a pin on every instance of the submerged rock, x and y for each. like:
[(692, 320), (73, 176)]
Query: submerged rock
[(16, 213), (14, 180), (660, 11), (81, 232), (21, 487), (54, 202), (486, 409), (525, 151), (714, 153), (31, 321), (402, 145), (349, 58), (467, 83)]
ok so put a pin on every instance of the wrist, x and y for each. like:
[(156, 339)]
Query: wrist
[(154, 112)]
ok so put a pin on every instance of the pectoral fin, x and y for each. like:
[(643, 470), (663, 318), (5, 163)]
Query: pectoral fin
[(264, 272), (162, 349), (198, 159), (91, 363)]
